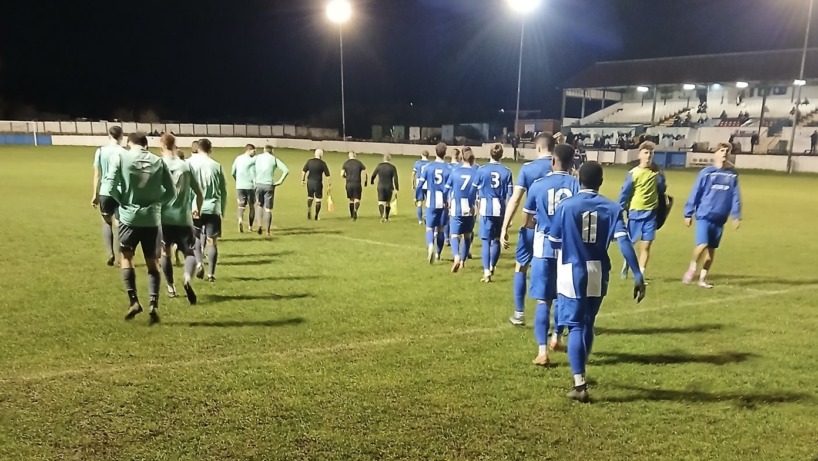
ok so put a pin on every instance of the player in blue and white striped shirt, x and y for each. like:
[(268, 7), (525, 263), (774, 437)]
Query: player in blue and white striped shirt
[(462, 208), (582, 229), (493, 184), (417, 169), (432, 182)]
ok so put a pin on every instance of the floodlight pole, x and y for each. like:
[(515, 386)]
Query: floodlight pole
[(343, 99), (519, 84), (798, 90)]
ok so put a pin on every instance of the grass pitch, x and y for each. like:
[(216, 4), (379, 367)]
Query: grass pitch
[(336, 340)]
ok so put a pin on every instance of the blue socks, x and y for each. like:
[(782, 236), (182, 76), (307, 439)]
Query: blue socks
[(577, 353), (486, 253), (441, 241), (455, 247), (541, 316), (519, 291), (430, 237), (420, 214), (495, 252), (559, 328)]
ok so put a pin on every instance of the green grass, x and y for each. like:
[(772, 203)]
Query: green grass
[(335, 340)]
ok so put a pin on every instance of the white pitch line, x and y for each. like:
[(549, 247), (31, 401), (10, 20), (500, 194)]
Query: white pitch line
[(375, 242), (354, 346)]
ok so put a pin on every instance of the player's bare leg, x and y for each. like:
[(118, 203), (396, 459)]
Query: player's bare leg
[(108, 238), (167, 269), (309, 208), (154, 279), (694, 263), (268, 222), (710, 255), (212, 257), (241, 206), (644, 256)]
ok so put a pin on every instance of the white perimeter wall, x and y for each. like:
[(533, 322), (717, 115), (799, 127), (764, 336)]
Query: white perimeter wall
[(801, 164)]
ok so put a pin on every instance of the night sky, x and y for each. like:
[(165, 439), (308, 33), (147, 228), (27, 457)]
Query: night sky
[(407, 61)]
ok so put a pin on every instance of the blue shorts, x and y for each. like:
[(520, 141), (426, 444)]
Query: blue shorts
[(578, 312), (490, 227), (525, 246), (461, 225), (434, 217), (543, 279), (642, 229), (708, 233)]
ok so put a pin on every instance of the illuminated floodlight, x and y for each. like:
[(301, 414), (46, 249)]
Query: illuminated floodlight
[(742, 85), (339, 11), (642, 89), (689, 87), (524, 6), (715, 86), (799, 82)]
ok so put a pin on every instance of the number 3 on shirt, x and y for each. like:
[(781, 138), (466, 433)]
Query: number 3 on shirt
[(589, 226), (495, 180)]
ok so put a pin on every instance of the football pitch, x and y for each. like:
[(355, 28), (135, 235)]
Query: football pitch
[(337, 340)]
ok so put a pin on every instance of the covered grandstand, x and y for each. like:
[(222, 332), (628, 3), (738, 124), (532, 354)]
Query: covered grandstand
[(697, 101)]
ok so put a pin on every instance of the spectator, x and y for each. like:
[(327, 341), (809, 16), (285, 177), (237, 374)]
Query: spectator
[(723, 115), (813, 140)]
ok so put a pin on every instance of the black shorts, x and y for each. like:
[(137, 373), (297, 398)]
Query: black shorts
[(181, 236), (245, 197), (354, 191), (108, 206), (265, 196), (209, 225), (132, 237), (315, 190), (385, 194)]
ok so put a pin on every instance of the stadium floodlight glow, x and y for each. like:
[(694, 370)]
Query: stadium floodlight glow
[(339, 11), (642, 89), (689, 87), (524, 6), (716, 86), (799, 82), (742, 85)]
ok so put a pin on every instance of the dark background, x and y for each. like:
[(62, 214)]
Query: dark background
[(407, 61)]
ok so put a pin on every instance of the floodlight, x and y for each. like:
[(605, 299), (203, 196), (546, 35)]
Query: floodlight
[(689, 87), (642, 89), (524, 6), (799, 82), (715, 86), (339, 11), (742, 85)]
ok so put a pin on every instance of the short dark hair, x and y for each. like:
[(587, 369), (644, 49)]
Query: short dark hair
[(647, 145), (425, 154), (115, 132), (724, 145), (205, 145), (268, 148), (590, 175), (249, 147), (139, 139), (564, 153), (456, 155), (440, 149), (497, 152), (546, 139)]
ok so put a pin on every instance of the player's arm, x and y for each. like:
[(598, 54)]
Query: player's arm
[(419, 187), (197, 189), (327, 174), (284, 173), (95, 194), (114, 177), (375, 174), (397, 183), (167, 184), (304, 173), (529, 211), (695, 197), (736, 208), (365, 176), (223, 188), (555, 231), (234, 169), (626, 194)]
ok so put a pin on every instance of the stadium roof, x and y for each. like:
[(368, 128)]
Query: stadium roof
[(760, 66)]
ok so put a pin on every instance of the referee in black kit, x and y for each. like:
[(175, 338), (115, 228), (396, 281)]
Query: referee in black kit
[(354, 171), (387, 176), (313, 176)]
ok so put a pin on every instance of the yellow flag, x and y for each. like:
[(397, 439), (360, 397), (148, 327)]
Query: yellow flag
[(330, 204), (394, 206)]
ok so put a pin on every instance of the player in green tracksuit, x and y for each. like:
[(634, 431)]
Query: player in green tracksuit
[(140, 182), (266, 166), (102, 195), (210, 175), (177, 218), (244, 173)]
